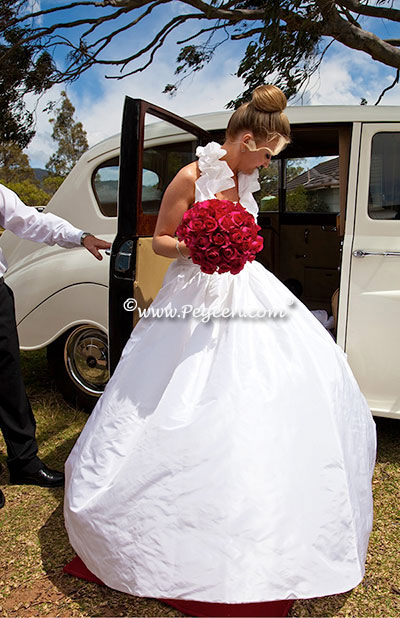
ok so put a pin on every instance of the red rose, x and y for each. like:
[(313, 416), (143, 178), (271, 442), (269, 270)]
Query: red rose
[(236, 267), (196, 224), (210, 224), (226, 223), (221, 235), (203, 241), (211, 255), (219, 238), (227, 252), (239, 218), (237, 236)]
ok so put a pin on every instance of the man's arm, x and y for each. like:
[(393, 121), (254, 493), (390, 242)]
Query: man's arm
[(26, 222)]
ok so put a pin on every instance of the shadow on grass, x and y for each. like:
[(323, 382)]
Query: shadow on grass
[(92, 599), (388, 432), (102, 601)]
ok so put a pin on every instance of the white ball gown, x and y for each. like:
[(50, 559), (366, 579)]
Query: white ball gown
[(228, 460)]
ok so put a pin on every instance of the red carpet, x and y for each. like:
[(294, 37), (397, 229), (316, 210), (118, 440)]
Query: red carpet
[(266, 609), (78, 568)]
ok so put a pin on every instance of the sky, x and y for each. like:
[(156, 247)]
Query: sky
[(344, 78)]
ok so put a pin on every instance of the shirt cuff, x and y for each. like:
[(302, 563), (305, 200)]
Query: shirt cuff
[(77, 238)]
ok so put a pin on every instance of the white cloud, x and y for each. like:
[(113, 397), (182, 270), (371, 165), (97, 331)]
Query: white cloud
[(345, 76), (33, 6), (42, 145), (101, 114)]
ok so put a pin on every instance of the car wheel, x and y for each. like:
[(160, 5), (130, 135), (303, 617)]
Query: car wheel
[(78, 362)]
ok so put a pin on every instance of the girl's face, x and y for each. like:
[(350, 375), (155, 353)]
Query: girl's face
[(255, 155)]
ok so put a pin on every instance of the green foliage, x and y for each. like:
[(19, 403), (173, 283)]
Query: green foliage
[(293, 170), (70, 137), (278, 53), (29, 193), (297, 200), (24, 67), (301, 200), (193, 57), (287, 41), (14, 164), (52, 183), (269, 205), (269, 181), (17, 174)]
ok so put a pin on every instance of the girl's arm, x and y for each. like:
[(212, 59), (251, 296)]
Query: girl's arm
[(178, 197)]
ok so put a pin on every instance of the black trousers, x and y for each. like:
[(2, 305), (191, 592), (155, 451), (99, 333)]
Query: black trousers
[(16, 418)]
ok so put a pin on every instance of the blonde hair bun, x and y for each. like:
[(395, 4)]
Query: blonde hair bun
[(269, 98), (263, 116)]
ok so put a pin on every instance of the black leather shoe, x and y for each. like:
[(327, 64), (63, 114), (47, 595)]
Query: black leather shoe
[(43, 477), (2, 499)]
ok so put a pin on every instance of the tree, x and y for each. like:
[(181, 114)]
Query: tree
[(269, 177), (14, 164), (287, 41), (71, 139), (17, 174), (29, 193), (25, 66), (52, 183)]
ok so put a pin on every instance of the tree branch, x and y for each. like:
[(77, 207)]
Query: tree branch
[(350, 17), (396, 81), (212, 11), (307, 20), (395, 42), (131, 24), (355, 37), (194, 36), (57, 8), (160, 36), (246, 35), (372, 11)]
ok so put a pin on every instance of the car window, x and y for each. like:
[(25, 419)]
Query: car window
[(105, 186), (160, 164), (384, 178), (312, 185)]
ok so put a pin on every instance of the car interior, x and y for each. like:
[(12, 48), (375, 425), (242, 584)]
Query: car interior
[(302, 211)]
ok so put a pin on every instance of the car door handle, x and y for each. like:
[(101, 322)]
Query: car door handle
[(362, 253)]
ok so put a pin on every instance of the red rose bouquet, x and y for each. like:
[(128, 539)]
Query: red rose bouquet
[(221, 235)]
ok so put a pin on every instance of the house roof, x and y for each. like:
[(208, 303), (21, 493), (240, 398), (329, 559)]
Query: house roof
[(323, 175)]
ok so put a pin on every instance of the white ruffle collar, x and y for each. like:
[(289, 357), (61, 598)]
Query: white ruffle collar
[(217, 176)]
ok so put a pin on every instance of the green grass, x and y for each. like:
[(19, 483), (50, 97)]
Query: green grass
[(34, 545)]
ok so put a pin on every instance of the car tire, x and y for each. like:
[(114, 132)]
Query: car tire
[(78, 363)]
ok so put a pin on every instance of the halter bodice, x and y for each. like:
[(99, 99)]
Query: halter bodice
[(217, 176)]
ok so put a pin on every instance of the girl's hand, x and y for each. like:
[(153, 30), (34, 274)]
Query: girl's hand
[(184, 249)]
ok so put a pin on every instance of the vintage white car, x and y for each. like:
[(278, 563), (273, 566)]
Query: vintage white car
[(330, 217)]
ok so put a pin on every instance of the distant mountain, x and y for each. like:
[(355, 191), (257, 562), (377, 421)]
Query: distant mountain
[(40, 173)]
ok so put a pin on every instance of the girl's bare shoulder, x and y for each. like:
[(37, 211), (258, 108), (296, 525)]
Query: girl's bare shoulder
[(189, 172)]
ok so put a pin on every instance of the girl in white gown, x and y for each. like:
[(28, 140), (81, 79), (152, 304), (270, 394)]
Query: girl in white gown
[(229, 460)]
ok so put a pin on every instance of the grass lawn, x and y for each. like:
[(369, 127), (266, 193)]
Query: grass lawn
[(34, 545)]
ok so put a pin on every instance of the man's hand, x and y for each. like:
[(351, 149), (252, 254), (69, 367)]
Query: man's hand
[(93, 244)]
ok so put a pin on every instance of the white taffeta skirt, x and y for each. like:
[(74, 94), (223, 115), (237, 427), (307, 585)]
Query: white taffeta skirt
[(228, 460)]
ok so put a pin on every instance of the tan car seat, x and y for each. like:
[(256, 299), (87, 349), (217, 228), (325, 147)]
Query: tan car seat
[(334, 305)]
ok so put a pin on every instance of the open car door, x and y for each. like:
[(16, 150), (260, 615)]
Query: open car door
[(151, 154)]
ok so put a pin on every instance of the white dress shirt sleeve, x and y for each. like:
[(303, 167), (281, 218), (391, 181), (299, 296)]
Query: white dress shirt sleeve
[(26, 222)]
